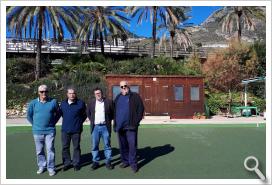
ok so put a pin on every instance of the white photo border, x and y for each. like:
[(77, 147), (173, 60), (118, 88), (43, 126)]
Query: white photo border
[(267, 4)]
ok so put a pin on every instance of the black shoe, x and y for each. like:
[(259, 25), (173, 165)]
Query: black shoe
[(134, 170), (65, 168), (123, 165), (76, 168), (109, 166), (94, 166)]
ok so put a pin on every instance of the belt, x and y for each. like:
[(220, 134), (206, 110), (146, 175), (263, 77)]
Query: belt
[(100, 124)]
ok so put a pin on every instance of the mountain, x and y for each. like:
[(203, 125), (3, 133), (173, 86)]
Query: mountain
[(210, 32)]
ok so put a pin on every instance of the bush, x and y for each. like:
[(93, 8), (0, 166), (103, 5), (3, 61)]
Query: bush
[(260, 103), (146, 66), (18, 94), (226, 68), (21, 70), (217, 100)]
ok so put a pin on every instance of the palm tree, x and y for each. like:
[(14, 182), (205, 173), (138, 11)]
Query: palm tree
[(21, 19), (238, 15), (177, 28), (99, 21), (154, 12)]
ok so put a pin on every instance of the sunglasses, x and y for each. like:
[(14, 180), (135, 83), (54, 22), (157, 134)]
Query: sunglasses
[(43, 91), (123, 86)]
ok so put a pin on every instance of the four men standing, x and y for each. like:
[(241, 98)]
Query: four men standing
[(127, 112)]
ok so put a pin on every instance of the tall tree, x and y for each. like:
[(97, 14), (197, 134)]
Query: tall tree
[(38, 19), (153, 12), (237, 17), (177, 28), (99, 21)]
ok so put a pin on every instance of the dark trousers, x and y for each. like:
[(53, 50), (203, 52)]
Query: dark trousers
[(66, 140), (128, 147)]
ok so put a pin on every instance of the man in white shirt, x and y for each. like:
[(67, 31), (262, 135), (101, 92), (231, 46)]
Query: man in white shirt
[(100, 114)]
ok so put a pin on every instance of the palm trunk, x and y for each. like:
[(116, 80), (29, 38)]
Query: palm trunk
[(101, 43), (38, 55), (239, 27), (154, 31), (172, 35)]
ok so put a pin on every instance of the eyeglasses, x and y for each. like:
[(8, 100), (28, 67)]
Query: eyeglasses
[(123, 86), (43, 91)]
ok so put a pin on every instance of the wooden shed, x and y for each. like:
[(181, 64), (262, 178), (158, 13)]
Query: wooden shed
[(163, 95)]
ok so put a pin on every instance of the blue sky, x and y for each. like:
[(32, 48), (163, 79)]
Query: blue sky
[(198, 15)]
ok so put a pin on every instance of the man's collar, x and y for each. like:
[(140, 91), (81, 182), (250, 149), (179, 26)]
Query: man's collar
[(102, 100), (70, 102), (129, 92), (43, 101)]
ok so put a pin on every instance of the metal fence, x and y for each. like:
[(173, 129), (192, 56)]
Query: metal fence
[(74, 47)]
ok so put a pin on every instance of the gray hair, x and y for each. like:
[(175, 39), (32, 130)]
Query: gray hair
[(71, 88), (42, 87), (124, 81)]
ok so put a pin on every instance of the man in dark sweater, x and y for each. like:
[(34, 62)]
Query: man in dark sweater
[(73, 111), (129, 110), (100, 114)]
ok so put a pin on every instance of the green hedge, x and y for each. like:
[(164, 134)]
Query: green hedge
[(217, 100)]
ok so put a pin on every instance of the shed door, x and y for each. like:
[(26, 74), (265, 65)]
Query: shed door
[(148, 99), (156, 99), (160, 103)]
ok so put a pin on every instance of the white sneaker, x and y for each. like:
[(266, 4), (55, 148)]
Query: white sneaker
[(52, 173), (40, 171)]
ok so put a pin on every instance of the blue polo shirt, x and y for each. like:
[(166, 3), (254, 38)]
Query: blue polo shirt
[(73, 115), (122, 112)]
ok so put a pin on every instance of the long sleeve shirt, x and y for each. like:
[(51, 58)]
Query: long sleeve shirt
[(43, 115)]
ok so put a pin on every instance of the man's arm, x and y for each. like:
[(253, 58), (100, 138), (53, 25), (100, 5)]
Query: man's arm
[(111, 107), (30, 112), (83, 113), (139, 109), (88, 111), (58, 112)]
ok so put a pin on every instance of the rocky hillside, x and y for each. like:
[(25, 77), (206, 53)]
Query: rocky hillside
[(210, 32)]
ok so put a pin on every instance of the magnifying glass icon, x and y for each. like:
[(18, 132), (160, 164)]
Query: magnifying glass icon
[(255, 168)]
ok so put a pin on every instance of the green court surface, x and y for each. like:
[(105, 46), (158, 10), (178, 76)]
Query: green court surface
[(165, 152)]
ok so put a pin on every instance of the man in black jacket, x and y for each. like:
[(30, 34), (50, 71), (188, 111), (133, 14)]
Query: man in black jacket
[(100, 114), (129, 111)]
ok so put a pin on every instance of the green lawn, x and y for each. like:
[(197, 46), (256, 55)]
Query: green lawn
[(165, 151)]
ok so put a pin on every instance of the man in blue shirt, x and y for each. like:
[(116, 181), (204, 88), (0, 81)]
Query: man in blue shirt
[(73, 112), (129, 110), (42, 113)]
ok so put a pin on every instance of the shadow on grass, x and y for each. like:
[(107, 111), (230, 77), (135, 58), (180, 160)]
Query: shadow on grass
[(144, 156), (86, 159), (147, 154)]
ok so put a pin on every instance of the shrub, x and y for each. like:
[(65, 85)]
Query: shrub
[(217, 100), (226, 68)]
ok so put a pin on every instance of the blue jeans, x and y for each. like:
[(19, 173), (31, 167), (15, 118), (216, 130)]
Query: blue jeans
[(98, 132), (47, 140)]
